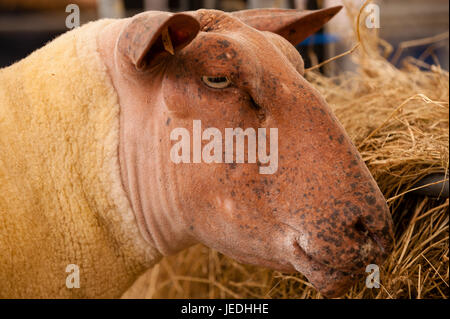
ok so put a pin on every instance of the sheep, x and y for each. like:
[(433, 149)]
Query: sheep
[(86, 179)]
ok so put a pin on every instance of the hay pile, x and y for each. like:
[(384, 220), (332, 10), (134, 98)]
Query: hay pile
[(398, 119)]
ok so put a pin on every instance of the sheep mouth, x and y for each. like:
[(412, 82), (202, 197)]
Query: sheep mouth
[(330, 282)]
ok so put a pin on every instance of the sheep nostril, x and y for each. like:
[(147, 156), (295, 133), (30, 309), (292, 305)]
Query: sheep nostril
[(361, 228)]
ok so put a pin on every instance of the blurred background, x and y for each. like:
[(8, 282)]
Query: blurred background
[(26, 25)]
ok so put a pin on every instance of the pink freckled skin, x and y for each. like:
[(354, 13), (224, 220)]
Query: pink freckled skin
[(321, 212)]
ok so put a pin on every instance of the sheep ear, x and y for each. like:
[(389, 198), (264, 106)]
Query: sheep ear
[(293, 25), (151, 37)]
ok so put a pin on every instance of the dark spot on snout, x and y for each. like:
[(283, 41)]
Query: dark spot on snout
[(224, 43), (371, 200), (168, 121), (369, 219), (222, 56), (355, 210)]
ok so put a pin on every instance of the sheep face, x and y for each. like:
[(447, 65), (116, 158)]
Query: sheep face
[(297, 197)]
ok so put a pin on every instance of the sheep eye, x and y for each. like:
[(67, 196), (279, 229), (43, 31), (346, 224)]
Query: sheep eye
[(216, 82)]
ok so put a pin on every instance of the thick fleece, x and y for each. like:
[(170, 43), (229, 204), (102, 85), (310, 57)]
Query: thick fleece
[(61, 196)]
